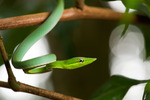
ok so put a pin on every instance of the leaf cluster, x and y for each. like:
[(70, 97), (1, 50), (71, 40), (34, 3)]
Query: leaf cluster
[(117, 86)]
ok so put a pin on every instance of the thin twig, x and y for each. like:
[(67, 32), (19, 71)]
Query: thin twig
[(79, 4), (39, 92), (68, 14), (45, 93), (11, 78), (18, 86), (4, 84)]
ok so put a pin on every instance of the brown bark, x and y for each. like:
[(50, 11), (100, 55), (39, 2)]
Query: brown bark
[(68, 14)]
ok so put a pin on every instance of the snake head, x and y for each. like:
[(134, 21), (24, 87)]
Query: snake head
[(77, 62)]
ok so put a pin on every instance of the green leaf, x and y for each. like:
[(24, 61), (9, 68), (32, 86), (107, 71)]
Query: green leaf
[(144, 9), (145, 30), (133, 4), (147, 2), (126, 20), (115, 88), (146, 95)]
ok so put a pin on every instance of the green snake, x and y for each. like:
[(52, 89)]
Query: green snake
[(47, 62)]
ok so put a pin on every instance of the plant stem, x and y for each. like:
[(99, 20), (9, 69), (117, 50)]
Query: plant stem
[(11, 78)]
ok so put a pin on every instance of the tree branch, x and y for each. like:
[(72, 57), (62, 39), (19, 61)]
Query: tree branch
[(4, 84), (68, 14), (39, 92), (18, 86)]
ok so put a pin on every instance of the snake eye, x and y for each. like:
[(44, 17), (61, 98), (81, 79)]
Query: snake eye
[(81, 60)]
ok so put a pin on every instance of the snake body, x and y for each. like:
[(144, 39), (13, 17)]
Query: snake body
[(33, 65)]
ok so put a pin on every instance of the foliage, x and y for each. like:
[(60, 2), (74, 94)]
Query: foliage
[(117, 86), (146, 95)]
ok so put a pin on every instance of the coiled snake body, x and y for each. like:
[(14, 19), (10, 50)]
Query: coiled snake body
[(33, 65)]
